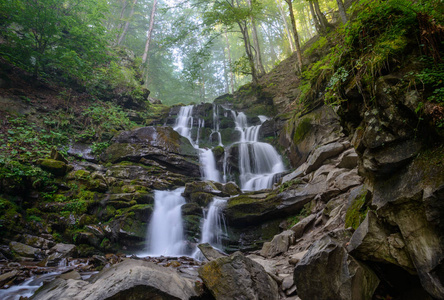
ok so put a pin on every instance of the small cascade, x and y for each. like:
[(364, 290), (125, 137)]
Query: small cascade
[(259, 162), (165, 231), (184, 122), (216, 124), (214, 227), (184, 125)]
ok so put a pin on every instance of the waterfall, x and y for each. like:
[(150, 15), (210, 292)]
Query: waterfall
[(184, 125), (259, 162), (165, 230), (214, 228)]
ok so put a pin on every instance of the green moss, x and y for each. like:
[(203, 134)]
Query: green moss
[(357, 211), (302, 129)]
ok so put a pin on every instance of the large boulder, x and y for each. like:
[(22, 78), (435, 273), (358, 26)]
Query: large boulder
[(412, 201), (302, 134), (374, 241), (131, 279), (238, 277), (163, 145), (327, 271)]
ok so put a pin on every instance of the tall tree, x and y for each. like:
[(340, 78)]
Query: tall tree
[(287, 30), (127, 23), (230, 63), (295, 34), (149, 35), (257, 49), (342, 12), (321, 17)]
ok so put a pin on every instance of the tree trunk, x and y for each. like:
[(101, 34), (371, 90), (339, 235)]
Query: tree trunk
[(248, 49), (258, 56), (342, 12), (229, 60), (150, 33), (315, 18), (246, 38), (287, 30), (125, 29), (295, 34), (322, 19)]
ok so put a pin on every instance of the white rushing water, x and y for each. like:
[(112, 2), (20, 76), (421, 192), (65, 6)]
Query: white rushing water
[(214, 227), (259, 162), (165, 231), (184, 126)]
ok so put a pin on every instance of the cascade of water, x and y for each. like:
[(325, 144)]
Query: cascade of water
[(184, 122), (216, 124), (214, 227), (165, 231), (184, 125), (259, 162)]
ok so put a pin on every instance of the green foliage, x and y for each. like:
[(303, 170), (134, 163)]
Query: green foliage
[(357, 212), (305, 212), (19, 175), (46, 36)]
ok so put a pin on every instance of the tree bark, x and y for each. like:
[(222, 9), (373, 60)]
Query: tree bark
[(258, 56), (150, 33), (229, 60), (315, 17), (125, 29), (287, 30), (322, 19), (248, 49), (342, 12), (295, 34)]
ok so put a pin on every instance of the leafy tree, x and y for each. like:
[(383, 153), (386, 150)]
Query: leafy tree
[(47, 36)]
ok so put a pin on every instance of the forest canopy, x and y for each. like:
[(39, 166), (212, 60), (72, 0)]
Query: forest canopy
[(181, 50)]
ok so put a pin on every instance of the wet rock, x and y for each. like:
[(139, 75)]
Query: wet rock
[(238, 277), (70, 275), (8, 277), (209, 252), (56, 167), (391, 157), (160, 144), (60, 252), (37, 242), (22, 249), (131, 279), (327, 272)]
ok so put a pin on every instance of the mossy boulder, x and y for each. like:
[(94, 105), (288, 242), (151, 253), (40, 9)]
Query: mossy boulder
[(302, 134), (251, 208), (238, 277), (56, 167)]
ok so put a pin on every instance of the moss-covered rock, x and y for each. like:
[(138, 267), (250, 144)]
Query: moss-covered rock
[(56, 167)]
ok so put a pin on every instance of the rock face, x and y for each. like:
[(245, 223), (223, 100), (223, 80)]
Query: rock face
[(161, 144), (301, 134), (337, 275), (131, 279), (238, 277)]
